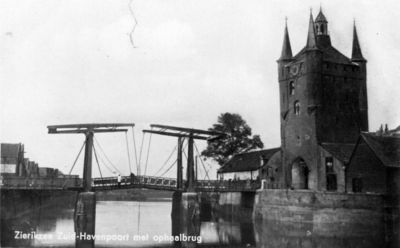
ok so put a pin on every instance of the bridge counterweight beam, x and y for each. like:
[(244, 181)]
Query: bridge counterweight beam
[(179, 183), (87, 168)]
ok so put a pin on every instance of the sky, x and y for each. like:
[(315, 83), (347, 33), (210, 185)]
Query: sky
[(178, 63)]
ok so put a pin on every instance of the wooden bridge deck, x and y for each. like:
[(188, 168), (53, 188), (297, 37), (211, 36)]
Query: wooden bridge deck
[(146, 182)]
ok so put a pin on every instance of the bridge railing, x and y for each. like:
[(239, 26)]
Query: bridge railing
[(162, 182), (136, 180), (228, 185), (40, 182)]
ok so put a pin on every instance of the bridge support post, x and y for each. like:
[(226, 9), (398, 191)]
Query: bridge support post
[(87, 166), (190, 206), (84, 219), (185, 217), (190, 166), (179, 183)]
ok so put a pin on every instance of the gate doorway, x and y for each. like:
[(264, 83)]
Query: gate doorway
[(300, 173)]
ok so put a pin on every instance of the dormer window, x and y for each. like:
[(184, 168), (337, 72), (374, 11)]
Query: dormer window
[(296, 107)]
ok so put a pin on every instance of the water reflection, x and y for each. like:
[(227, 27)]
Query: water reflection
[(149, 224), (37, 227), (288, 234)]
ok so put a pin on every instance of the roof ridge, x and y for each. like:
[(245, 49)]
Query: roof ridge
[(258, 151), (366, 136)]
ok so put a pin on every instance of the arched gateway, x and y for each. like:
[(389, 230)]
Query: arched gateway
[(300, 173)]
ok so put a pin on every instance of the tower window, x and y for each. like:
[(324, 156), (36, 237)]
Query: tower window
[(291, 88), (317, 27), (322, 28), (296, 107)]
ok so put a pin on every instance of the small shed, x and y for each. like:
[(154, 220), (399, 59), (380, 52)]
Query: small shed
[(246, 165), (374, 166)]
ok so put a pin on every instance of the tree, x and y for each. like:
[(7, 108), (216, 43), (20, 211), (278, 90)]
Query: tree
[(238, 138)]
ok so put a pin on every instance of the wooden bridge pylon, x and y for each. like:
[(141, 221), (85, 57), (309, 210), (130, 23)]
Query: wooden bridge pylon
[(191, 135), (88, 130)]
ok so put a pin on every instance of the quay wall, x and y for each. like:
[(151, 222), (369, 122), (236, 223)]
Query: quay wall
[(317, 207), (235, 205)]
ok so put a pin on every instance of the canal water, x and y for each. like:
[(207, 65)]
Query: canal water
[(149, 224)]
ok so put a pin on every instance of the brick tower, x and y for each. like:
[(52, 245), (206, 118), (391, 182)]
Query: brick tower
[(323, 98)]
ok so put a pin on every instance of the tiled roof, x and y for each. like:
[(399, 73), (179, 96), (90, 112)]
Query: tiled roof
[(329, 54), (9, 150), (332, 55), (340, 151), (248, 161), (386, 148)]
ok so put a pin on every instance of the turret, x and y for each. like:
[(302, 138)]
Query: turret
[(311, 39), (356, 55), (286, 54), (321, 30), (321, 24)]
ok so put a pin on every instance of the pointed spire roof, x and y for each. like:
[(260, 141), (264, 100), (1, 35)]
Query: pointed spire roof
[(320, 17), (311, 39), (356, 54), (286, 49)]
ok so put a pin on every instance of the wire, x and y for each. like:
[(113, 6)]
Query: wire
[(106, 155), (140, 155), (166, 161), (84, 142), (113, 172), (183, 141), (148, 151), (201, 161), (129, 157), (98, 165), (134, 145), (169, 168)]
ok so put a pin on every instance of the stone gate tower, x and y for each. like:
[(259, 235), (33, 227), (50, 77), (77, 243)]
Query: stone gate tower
[(323, 99)]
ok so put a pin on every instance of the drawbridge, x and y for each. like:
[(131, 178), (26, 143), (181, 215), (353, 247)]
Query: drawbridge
[(88, 184)]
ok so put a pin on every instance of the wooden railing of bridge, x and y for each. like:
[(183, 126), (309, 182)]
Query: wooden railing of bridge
[(148, 182), (162, 183)]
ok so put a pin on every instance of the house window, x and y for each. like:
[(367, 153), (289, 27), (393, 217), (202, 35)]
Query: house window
[(331, 180), (357, 184), (329, 165), (291, 88), (296, 107)]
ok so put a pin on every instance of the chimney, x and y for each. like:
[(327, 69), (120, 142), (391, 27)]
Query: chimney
[(380, 131), (386, 128)]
